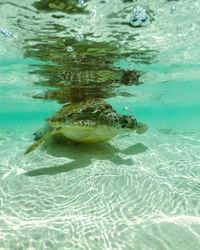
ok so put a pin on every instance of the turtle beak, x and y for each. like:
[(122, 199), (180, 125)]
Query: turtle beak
[(140, 128)]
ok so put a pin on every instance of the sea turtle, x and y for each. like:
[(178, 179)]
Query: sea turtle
[(90, 120)]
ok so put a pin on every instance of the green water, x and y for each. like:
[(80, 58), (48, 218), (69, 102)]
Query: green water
[(134, 192)]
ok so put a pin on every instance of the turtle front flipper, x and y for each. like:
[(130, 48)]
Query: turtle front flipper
[(38, 142)]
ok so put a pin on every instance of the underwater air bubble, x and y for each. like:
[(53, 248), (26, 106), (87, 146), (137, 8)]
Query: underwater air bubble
[(81, 2), (6, 33), (69, 49), (9, 34), (173, 8), (139, 16), (128, 110), (79, 37)]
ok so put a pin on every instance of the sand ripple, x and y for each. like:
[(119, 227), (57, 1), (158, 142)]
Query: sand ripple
[(146, 195)]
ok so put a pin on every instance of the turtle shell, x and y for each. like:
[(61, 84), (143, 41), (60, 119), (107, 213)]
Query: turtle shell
[(90, 108)]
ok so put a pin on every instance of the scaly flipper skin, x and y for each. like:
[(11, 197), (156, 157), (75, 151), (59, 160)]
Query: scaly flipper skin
[(38, 142)]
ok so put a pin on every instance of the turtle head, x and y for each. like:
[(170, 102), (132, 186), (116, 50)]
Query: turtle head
[(129, 123), (140, 128)]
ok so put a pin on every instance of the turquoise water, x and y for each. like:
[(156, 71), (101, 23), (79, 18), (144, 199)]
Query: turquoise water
[(134, 192)]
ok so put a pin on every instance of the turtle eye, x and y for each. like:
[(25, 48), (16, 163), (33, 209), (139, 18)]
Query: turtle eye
[(115, 118)]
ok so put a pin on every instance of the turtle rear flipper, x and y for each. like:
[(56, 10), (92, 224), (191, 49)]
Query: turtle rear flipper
[(38, 142)]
